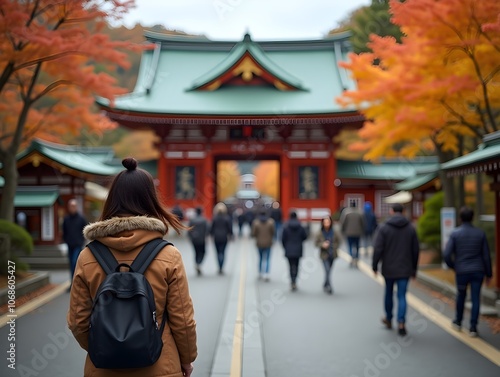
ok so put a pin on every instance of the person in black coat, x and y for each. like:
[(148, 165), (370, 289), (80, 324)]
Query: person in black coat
[(467, 252), (198, 235), (397, 246), (221, 231), (72, 228), (292, 238)]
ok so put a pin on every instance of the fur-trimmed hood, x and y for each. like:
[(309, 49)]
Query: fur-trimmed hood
[(117, 225)]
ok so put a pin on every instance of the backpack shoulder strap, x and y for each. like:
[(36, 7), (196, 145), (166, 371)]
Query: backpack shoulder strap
[(104, 256), (147, 254)]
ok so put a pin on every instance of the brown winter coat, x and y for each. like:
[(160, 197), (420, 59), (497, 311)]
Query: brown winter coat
[(263, 229), (125, 237)]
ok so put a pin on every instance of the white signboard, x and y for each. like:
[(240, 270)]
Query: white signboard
[(47, 223), (448, 224)]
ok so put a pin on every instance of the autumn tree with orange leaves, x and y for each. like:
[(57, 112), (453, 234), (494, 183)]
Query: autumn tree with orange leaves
[(47, 78), (438, 86), (267, 178)]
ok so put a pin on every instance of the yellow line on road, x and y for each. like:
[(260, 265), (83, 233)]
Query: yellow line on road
[(477, 344), (36, 303), (237, 355)]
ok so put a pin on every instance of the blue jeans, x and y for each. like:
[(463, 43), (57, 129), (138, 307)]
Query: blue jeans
[(475, 279), (264, 254), (327, 264), (353, 243), (402, 284), (221, 251)]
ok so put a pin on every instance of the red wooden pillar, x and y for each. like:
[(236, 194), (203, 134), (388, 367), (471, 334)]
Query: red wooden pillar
[(208, 189), (163, 172), (331, 173), (286, 184)]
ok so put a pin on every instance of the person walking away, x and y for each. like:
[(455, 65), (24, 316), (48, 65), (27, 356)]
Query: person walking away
[(292, 238), (221, 231), (73, 225), (263, 230), (353, 226), (328, 240), (198, 236), (467, 253), (132, 216), (277, 216), (370, 227), (177, 211), (397, 247)]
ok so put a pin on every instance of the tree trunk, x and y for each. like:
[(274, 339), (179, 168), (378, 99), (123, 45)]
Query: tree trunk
[(448, 188), (9, 190), (460, 182), (447, 183)]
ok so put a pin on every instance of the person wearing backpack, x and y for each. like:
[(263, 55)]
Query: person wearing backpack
[(133, 220)]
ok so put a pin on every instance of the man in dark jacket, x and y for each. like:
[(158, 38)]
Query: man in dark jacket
[(221, 231), (73, 225), (397, 246), (467, 252), (292, 239), (198, 235)]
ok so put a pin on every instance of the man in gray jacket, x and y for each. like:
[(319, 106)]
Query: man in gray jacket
[(397, 246), (352, 223), (467, 252)]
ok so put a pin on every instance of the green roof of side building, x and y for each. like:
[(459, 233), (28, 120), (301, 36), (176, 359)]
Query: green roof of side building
[(43, 196), (171, 73), (75, 157), (488, 150), (390, 169)]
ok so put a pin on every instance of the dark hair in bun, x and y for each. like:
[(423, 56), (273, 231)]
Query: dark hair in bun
[(129, 163), (133, 193)]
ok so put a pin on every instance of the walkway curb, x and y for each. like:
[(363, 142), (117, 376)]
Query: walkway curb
[(35, 303)]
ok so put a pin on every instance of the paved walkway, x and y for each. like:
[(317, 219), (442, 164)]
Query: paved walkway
[(247, 327)]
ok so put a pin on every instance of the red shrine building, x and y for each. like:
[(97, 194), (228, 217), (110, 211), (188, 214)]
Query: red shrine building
[(210, 101)]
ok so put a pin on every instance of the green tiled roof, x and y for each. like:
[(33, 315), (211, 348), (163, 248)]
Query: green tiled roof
[(394, 170), (168, 73), (247, 45), (36, 196), (416, 181), (73, 157), (490, 149)]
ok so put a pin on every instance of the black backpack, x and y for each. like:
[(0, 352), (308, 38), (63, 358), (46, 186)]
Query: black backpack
[(123, 331)]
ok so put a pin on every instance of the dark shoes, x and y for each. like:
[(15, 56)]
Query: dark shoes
[(294, 287), (327, 288), (456, 325), (387, 323), (473, 332), (402, 329)]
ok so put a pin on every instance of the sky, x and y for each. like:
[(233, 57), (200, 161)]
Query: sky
[(231, 19)]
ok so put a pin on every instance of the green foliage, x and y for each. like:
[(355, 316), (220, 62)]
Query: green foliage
[(374, 19), (20, 239), (429, 224)]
